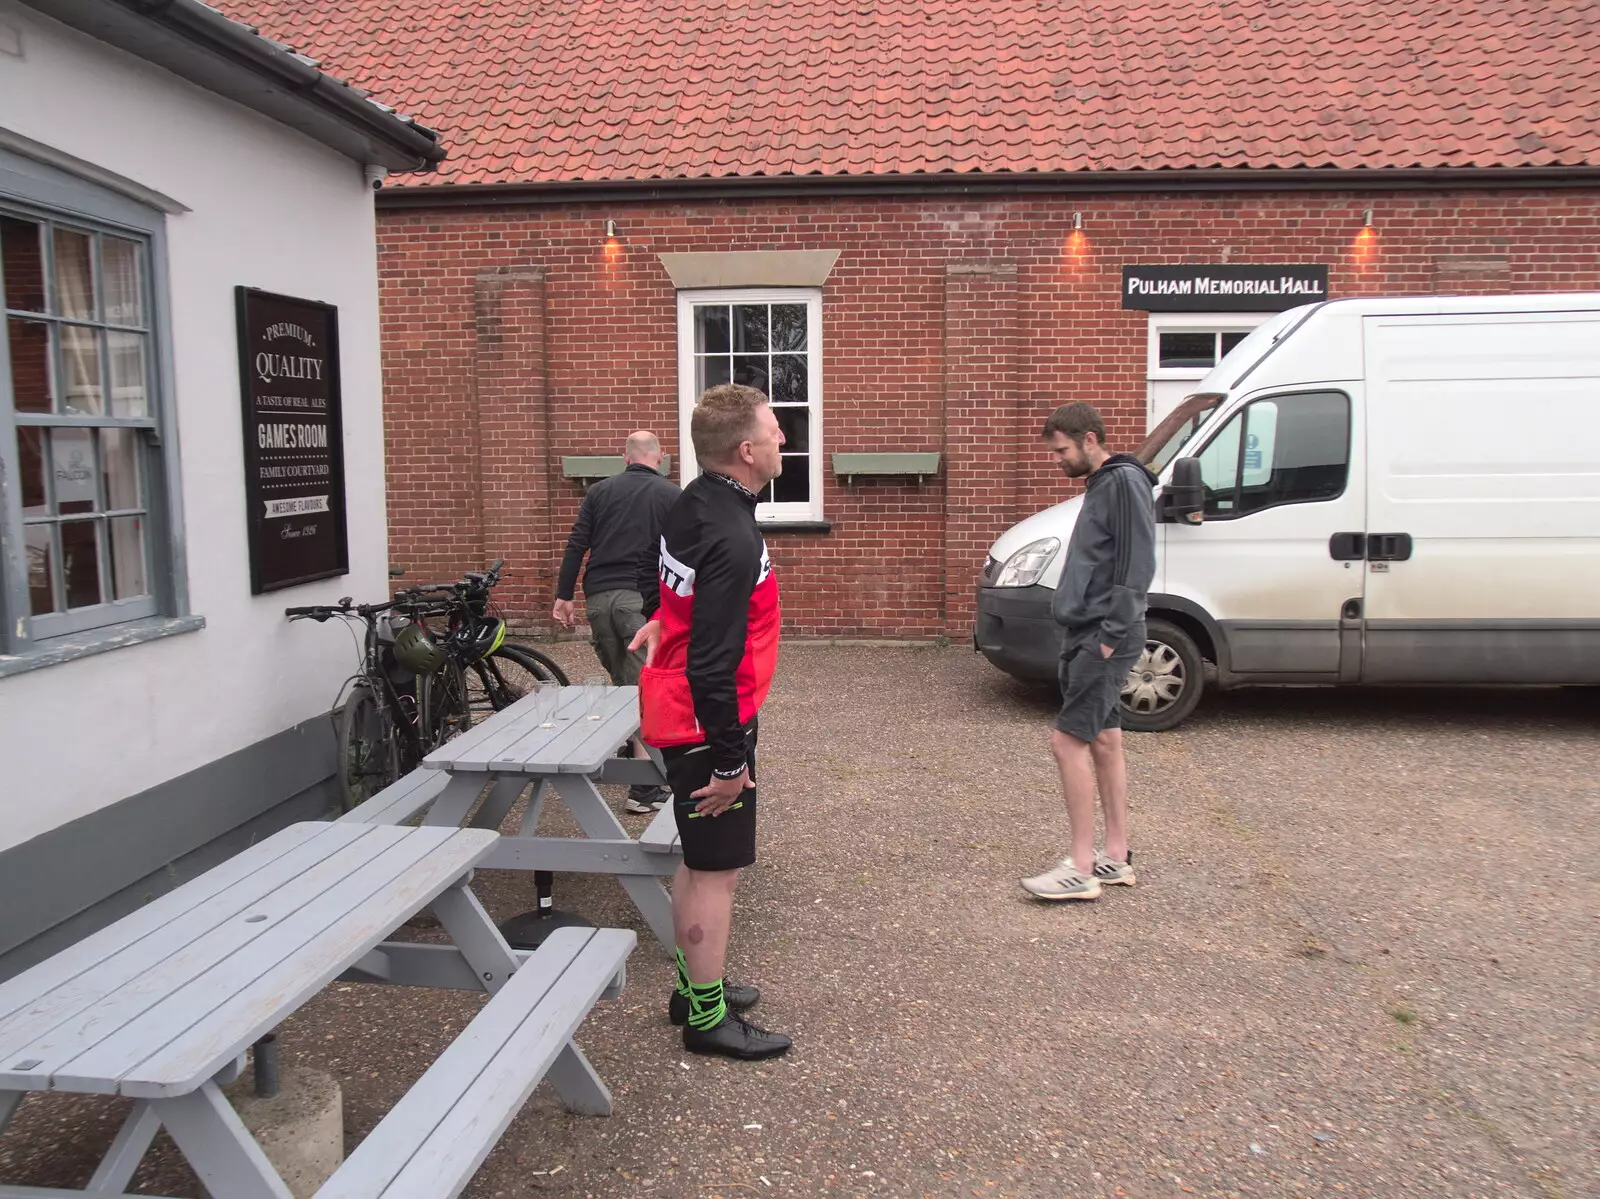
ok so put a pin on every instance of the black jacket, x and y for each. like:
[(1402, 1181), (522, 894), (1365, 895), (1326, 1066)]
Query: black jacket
[(618, 526), (1111, 558)]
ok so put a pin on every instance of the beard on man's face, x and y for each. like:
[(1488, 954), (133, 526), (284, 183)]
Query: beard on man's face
[(1074, 468)]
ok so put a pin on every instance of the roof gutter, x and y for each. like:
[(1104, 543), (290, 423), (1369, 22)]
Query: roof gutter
[(198, 43), (951, 183)]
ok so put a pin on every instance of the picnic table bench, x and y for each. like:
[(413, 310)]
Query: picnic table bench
[(548, 737), (161, 1006)]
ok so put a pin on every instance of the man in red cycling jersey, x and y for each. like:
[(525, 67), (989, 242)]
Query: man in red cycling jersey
[(712, 644)]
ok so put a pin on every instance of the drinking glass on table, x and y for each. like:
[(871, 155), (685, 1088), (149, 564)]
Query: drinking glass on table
[(547, 698), (594, 695)]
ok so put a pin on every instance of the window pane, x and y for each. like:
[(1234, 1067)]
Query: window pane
[(41, 568), (793, 486), (751, 370), (796, 426), (122, 281), (29, 346), (129, 392), (74, 278), (127, 557), (80, 556), (80, 368), (749, 328), (788, 378), (1297, 450), (119, 452), (713, 372), (788, 327), (73, 468), (30, 454), (1188, 350), (1219, 468), (711, 330), (1260, 439), (22, 263), (1229, 340)]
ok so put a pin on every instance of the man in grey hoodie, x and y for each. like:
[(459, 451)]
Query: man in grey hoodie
[(1100, 600)]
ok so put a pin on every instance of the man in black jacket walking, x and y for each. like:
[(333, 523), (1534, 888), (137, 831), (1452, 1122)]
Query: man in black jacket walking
[(1100, 600), (618, 527)]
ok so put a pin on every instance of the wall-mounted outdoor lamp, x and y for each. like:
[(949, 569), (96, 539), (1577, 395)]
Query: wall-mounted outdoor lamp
[(611, 229), (1077, 220)]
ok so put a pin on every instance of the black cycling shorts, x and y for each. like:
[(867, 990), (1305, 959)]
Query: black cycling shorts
[(725, 842)]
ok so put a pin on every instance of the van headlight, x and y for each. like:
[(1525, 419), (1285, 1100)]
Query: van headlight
[(1025, 566)]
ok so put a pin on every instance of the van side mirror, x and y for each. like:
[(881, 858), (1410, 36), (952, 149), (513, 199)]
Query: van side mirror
[(1184, 499)]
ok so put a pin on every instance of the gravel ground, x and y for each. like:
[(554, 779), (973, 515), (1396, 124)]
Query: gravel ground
[(1360, 961)]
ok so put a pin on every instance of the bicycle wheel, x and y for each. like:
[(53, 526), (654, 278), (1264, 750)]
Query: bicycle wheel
[(505, 676), (443, 709), (368, 759)]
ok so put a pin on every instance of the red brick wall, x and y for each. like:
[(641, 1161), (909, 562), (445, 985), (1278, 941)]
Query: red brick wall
[(512, 337)]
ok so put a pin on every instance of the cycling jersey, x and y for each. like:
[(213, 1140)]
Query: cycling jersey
[(717, 600)]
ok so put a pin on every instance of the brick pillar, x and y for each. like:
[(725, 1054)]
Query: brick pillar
[(981, 414), (512, 417)]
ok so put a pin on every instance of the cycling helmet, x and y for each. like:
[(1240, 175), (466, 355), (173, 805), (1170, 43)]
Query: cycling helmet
[(481, 639), (415, 650)]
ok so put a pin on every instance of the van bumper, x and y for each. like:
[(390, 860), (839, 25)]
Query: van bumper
[(1016, 632)]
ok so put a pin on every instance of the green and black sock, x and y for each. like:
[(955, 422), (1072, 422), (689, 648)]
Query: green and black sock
[(683, 975), (707, 1007)]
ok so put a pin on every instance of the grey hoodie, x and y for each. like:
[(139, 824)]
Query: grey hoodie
[(1111, 558)]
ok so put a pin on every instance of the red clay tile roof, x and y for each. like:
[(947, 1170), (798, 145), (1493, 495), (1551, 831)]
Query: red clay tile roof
[(595, 90)]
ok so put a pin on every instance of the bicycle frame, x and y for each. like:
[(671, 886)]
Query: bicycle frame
[(403, 724)]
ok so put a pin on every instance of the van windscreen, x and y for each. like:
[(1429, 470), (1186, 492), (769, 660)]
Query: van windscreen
[(1174, 432)]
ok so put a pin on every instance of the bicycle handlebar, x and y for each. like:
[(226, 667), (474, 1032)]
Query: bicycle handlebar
[(322, 612), (410, 597)]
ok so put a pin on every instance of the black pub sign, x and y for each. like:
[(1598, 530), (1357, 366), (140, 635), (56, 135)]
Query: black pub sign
[(1223, 287), (293, 440)]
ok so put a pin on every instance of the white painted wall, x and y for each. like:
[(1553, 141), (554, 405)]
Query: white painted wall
[(271, 209)]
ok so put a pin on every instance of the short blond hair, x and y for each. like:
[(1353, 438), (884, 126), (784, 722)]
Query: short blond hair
[(724, 418)]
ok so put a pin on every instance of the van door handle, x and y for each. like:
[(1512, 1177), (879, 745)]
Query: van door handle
[(1389, 547), (1348, 547)]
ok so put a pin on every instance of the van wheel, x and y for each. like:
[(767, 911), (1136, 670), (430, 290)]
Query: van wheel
[(1165, 683)]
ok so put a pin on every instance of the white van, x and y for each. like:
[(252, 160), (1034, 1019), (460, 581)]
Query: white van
[(1389, 491)]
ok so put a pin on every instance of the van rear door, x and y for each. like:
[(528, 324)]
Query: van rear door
[(1483, 517)]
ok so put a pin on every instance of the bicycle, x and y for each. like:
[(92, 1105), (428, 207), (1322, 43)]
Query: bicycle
[(379, 724), (496, 673), (418, 688)]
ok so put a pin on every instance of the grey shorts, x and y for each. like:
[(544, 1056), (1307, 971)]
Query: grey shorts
[(614, 617), (1091, 685)]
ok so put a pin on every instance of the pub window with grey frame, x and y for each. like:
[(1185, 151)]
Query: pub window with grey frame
[(82, 410)]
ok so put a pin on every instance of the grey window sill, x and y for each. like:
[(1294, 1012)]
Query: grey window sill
[(97, 641), (796, 526)]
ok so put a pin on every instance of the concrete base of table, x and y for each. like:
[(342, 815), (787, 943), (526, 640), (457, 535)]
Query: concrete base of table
[(529, 930)]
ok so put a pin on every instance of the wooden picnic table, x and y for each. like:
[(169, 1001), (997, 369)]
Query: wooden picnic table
[(161, 1006), (565, 740)]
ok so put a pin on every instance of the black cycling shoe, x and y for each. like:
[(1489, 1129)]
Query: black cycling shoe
[(739, 997), (735, 1037)]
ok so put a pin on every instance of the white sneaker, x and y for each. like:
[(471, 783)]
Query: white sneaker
[(1111, 872), (1063, 881), (642, 803)]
